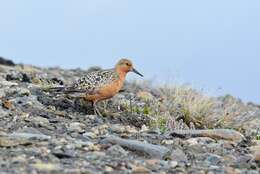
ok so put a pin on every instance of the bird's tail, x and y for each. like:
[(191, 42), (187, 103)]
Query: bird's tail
[(60, 89), (64, 90)]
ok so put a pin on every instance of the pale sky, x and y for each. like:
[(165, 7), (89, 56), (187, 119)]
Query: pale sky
[(214, 45)]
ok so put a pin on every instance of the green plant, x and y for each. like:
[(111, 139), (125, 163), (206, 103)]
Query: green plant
[(258, 137)]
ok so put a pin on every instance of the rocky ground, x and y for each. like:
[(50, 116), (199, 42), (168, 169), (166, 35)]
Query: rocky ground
[(143, 130)]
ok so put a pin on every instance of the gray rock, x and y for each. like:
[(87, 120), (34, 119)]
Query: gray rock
[(29, 136), (90, 135), (39, 121), (11, 142), (179, 156), (3, 113), (155, 151), (213, 159), (76, 127), (46, 167), (117, 128), (173, 164), (117, 151)]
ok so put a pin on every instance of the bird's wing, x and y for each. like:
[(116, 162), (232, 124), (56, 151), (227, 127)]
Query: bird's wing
[(92, 81)]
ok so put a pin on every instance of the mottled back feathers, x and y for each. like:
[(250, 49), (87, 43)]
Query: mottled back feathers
[(93, 81)]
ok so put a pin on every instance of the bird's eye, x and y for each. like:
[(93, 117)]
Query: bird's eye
[(128, 64)]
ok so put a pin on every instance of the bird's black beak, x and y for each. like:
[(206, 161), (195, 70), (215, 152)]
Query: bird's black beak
[(135, 71)]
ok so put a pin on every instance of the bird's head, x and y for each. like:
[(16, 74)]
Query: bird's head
[(125, 66)]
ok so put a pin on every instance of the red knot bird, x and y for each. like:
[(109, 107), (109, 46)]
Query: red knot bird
[(102, 84)]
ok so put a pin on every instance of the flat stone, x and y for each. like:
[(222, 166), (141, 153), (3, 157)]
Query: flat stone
[(29, 130), (168, 142), (178, 155), (200, 140), (116, 151), (117, 128), (140, 170), (93, 147), (7, 83), (173, 164), (231, 170), (100, 130), (90, 135), (9, 142), (29, 136), (80, 143), (20, 159), (144, 128), (3, 113), (154, 151), (76, 127), (108, 169), (153, 164), (40, 120), (214, 159), (130, 130), (46, 167)]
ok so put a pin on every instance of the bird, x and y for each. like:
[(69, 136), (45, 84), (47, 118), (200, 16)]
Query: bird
[(101, 84)]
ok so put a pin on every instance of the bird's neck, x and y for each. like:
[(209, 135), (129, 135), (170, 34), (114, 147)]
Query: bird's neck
[(121, 74)]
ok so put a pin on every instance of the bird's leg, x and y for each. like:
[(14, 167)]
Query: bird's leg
[(96, 111)]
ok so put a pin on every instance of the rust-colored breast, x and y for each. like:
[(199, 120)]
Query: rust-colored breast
[(106, 91)]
